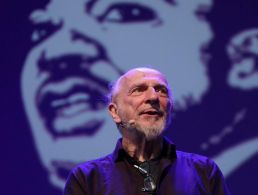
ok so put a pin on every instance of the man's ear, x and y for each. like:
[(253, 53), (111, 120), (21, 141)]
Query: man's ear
[(112, 108)]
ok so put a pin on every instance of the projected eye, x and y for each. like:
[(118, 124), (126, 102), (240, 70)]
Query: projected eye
[(43, 30), (127, 13), (44, 25)]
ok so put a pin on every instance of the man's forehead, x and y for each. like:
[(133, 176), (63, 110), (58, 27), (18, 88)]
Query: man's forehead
[(139, 76)]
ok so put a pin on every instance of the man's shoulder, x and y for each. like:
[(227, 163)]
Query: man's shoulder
[(202, 170), (94, 166), (195, 159)]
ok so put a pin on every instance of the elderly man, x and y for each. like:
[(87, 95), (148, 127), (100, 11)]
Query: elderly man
[(74, 57), (144, 162)]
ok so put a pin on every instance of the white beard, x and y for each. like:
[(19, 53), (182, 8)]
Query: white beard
[(151, 132)]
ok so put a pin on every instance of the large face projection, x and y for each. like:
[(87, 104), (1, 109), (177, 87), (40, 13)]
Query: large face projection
[(81, 46)]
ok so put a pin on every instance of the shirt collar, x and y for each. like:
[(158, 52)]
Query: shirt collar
[(168, 150)]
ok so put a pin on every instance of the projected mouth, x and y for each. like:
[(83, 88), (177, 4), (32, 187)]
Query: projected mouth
[(70, 107), (71, 100)]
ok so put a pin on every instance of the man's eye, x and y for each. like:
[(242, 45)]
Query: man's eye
[(127, 12), (162, 90), (137, 90)]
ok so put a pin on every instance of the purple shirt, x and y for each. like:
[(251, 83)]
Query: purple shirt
[(179, 173)]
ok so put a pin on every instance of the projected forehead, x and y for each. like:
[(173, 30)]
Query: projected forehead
[(130, 11), (92, 3), (116, 11), (123, 11)]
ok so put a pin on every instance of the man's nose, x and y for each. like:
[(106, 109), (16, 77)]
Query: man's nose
[(152, 96)]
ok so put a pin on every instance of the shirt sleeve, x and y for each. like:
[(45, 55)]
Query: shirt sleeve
[(217, 182), (74, 185)]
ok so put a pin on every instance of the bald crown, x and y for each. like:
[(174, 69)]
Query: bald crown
[(117, 85)]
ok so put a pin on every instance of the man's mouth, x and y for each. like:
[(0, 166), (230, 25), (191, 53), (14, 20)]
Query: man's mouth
[(152, 112)]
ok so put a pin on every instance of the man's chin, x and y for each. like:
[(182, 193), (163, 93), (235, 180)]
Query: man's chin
[(152, 132), (152, 137)]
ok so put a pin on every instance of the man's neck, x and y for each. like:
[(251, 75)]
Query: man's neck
[(141, 149)]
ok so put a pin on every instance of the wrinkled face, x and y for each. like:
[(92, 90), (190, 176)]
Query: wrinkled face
[(143, 102), (243, 53), (83, 45)]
